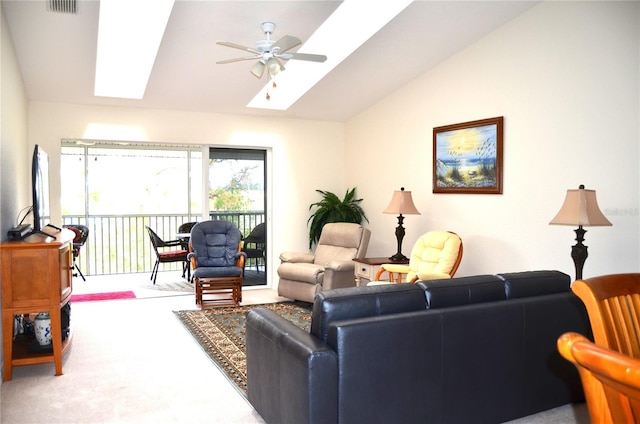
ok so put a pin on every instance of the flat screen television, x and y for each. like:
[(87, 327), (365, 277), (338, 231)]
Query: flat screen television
[(40, 188)]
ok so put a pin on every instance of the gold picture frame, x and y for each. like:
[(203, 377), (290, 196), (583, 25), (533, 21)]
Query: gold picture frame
[(467, 157)]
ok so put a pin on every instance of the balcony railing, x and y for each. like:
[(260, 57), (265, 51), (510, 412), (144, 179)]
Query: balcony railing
[(119, 244)]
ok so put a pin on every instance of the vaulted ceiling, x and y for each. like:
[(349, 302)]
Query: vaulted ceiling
[(57, 53)]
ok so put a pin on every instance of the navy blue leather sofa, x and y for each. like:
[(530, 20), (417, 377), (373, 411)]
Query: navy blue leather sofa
[(478, 349)]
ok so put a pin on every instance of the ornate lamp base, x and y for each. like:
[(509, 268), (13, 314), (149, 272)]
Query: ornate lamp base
[(399, 236)]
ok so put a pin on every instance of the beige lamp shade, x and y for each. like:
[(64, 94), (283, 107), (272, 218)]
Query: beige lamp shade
[(401, 204), (580, 208)]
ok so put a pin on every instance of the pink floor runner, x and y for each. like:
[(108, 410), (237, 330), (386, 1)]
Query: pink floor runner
[(103, 296)]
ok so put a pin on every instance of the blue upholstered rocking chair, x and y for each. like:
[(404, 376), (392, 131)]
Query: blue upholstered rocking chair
[(218, 263)]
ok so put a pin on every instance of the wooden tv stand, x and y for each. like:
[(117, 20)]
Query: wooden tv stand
[(36, 277)]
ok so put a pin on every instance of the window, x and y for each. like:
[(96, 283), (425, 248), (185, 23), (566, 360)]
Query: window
[(116, 190), (107, 179)]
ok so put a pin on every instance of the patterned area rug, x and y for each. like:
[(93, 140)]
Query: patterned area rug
[(221, 333)]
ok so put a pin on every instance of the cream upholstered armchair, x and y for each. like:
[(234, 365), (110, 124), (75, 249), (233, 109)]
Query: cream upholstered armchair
[(435, 255), (302, 275)]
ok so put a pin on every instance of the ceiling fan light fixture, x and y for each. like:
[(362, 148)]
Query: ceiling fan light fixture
[(274, 66), (258, 69)]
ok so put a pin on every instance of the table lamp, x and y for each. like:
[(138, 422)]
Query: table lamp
[(580, 208), (401, 203)]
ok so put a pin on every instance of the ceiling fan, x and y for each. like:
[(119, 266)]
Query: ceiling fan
[(270, 52)]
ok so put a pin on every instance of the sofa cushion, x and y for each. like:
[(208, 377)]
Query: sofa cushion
[(534, 283), (462, 291), (360, 302)]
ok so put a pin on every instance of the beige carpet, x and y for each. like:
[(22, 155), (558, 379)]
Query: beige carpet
[(132, 362), (181, 286)]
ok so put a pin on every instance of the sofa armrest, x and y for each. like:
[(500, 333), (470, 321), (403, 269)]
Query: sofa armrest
[(341, 266), (296, 257), (337, 279), (292, 376)]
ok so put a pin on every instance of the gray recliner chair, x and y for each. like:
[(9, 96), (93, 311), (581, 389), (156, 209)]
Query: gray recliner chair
[(302, 275)]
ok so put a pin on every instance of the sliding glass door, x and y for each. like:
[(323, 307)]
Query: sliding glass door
[(237, 193)]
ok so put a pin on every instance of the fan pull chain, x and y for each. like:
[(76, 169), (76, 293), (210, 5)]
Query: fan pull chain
[(274, 86)]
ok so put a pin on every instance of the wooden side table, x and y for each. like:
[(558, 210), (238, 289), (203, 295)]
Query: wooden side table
[(367, 268)]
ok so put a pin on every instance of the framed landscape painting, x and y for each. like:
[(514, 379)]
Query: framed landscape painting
[(467, 157)]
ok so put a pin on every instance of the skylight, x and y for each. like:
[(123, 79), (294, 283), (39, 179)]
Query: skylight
[(129, 35), (353, 23)]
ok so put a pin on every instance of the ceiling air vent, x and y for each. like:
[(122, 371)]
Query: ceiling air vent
[(63, 6)]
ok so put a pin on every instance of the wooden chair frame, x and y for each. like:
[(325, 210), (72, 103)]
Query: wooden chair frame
[(613, 305), (222, 291), (610, 379)]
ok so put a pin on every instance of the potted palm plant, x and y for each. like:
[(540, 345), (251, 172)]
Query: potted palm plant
[(332, 209)]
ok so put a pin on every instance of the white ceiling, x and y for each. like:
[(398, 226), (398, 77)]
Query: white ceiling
[(57, 53)]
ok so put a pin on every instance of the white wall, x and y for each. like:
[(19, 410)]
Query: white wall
[(15, 178), (306, 155), (565, 76)]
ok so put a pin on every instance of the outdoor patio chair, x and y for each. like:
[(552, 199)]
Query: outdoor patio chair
[(81, 234), (254, 245), (183, 230), (166, 252)]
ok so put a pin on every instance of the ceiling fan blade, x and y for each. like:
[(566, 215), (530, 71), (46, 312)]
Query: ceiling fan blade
[(304, 56), (238, 46), (258, 69), (237, 59), (285, 43)]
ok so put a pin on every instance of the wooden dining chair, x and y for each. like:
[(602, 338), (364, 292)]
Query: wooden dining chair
[(611, 380), (613, 305)]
